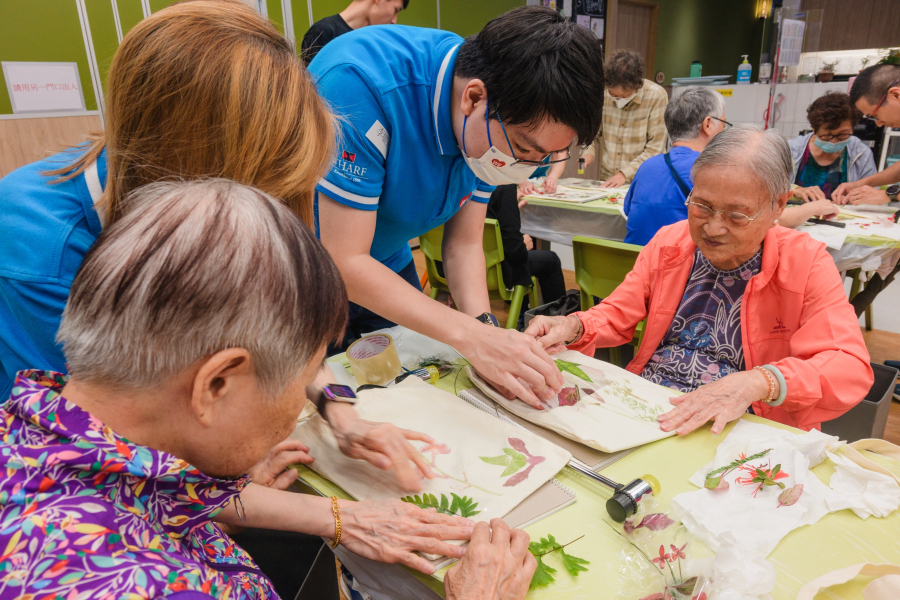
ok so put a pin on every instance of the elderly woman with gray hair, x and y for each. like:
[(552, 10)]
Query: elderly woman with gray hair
[(192, 331), (742, 314)]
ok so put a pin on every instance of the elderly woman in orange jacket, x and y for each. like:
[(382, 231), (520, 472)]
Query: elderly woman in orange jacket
[(742, 314)]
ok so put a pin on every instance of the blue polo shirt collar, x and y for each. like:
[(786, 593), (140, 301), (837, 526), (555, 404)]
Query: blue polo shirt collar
[(441, 104)]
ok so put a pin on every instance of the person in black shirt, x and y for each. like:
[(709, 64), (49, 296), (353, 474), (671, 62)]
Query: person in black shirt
[(360, 13)]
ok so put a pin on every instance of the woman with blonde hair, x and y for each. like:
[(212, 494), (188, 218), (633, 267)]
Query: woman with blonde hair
[(200, 89)]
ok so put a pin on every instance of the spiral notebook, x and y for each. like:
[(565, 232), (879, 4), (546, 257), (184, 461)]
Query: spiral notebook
[(594, 459)]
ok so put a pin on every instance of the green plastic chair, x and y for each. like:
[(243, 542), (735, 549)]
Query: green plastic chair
[(430, 244), (600, 266)]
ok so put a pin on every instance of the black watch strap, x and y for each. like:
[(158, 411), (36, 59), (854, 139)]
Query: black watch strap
[(488, 319)]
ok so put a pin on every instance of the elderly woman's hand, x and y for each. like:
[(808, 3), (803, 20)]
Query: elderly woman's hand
[(554, 332), (381, 444), (809, 194), (272, 471), (390, 530), (721, 401), (497, 565)]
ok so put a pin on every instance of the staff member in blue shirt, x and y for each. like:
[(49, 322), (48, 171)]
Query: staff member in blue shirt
[(431, 122)]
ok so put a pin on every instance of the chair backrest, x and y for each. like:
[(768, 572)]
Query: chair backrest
[(601, 265), (430, 243)]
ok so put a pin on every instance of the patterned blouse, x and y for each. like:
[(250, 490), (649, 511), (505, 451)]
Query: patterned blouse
[(704, 341), (87, 514)]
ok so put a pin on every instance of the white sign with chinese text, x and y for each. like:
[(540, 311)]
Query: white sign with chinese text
[(43, 87)]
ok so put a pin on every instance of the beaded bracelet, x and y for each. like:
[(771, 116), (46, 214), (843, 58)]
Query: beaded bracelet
[(773, 383), (336, 510)]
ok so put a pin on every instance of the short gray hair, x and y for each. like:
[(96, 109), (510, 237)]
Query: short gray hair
[(686, 112), (766, 154), (194, 268)]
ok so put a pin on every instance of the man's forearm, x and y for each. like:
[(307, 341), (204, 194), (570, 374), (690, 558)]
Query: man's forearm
[(888, 176), (466, 274), (374, 286)]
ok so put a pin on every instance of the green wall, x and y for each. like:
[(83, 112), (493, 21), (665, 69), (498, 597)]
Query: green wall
[(467, 17), (45, 31), (130, 14), (715, 32), (419, 13), (103, 34)]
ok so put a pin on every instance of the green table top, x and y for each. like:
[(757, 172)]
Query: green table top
[(595, 206), (838, 540)]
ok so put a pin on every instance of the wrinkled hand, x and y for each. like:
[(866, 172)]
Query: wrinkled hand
[(588, 159), (617, 180), (550, 184), (514, 363), (390, 530), (867, 195), (272, 471), (839, 195), (529, 243), (721, 401), (380, 444), (553, 332), (526, 188), (497, 565), (809, 194), (824, 208)]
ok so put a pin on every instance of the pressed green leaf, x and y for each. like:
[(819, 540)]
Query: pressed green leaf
[(445, 504), (454, 506), (574, 369), (790, 496), (686, 588), (712, 483), (500, 461), (517, 462), (736, 463), (573, 564), (542, 574)]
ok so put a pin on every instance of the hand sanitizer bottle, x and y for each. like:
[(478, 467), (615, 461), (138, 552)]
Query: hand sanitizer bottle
[(744, 69)]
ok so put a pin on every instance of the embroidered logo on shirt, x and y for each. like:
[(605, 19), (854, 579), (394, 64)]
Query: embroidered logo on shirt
[(349, 156), (464, 200), (779, 326), (379, 136)]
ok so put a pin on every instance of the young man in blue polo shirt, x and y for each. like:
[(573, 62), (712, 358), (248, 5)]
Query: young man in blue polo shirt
[(431, 122)]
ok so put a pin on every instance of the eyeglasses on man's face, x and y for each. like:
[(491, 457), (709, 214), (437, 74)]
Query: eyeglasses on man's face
[(542, 163), (705, 213), (880, 102), (727, 124)]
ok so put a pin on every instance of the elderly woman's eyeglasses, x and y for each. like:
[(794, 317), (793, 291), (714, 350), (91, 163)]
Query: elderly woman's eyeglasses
[(735, 219), (883, 98), (841, 137)]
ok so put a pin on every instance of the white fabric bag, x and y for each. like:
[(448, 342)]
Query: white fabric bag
[(613, 411), (475, 455)]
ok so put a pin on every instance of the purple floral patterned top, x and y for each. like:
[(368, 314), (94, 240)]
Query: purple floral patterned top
[(704, 341), (87, 514)]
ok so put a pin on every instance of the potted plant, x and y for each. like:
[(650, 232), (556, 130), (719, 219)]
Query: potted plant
[(826, 73)]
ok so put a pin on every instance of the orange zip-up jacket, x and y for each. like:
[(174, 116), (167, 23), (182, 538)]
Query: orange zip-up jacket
[(794, 315)]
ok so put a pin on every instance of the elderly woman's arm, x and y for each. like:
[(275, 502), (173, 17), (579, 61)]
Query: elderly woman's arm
[(828, 371), (608, 324), (387, 531)]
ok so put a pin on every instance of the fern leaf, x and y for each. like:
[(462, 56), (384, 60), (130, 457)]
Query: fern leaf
[(573, 564)]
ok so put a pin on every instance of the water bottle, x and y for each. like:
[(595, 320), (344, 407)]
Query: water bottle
[(744, 70), (696, 68)]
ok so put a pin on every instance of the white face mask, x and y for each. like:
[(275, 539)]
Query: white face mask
[(623, 102), (495, 167)]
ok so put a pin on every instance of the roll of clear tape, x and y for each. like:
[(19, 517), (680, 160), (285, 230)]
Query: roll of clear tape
[(374, 359)]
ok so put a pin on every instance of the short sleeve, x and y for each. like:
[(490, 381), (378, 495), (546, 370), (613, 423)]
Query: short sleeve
[(482, 191), (356, 177)]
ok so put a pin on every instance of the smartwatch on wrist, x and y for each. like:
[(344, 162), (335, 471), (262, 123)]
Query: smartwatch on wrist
[(333, 393), (488, 319)]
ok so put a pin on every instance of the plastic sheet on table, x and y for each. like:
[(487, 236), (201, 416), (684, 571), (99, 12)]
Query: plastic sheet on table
[(560, 224)]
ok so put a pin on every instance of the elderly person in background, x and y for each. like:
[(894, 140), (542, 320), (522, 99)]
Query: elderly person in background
[(741, 313), (633, 128), (657, 195), (192, 331), (830, 155)]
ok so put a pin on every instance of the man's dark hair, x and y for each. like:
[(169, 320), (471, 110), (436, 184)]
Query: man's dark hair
[(537, 64), (831, 110), (874, 82), (625, 68), (405, 4)]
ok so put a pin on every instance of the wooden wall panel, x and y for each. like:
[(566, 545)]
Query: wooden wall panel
[(884, 30), (24, 141)]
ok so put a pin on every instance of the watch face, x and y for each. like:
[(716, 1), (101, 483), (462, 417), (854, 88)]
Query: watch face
[(338, 391), (893, 190)]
